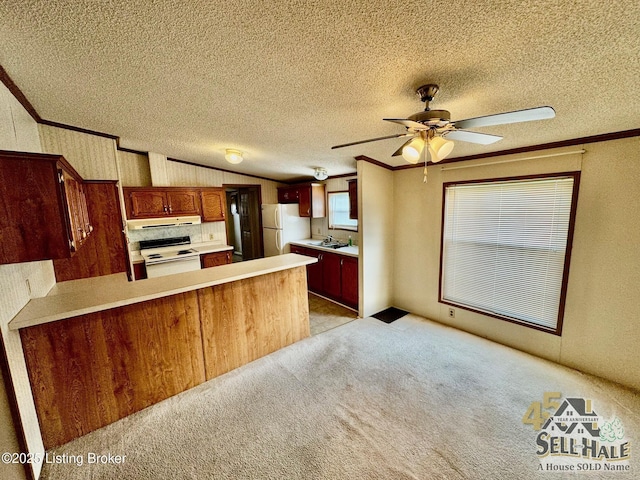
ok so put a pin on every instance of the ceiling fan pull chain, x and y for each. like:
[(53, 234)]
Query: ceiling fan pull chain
[(426, 153)]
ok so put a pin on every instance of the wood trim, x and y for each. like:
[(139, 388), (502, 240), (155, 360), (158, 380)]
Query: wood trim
[(533, 148), (344, 175), (193, 164), (567, 258), (77, 129), (375, 162), (129, 150), (17, 93)]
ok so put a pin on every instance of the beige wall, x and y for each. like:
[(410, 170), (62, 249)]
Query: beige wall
[(93, 156), (376, 260), (601, 331), (18, 131), (134, 169)]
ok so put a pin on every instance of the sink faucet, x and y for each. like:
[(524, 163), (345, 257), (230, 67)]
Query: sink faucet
[(329, 239)]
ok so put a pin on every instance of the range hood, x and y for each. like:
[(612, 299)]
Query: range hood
[(162, 222)]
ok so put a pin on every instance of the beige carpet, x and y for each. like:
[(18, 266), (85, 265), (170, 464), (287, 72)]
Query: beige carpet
[(367, 400)]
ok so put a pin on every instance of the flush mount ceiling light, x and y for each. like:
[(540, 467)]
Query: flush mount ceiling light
[(233, 156), (320, 173)]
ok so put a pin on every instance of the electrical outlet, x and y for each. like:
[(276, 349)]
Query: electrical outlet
[(211, 236), (318, 230), (452, 313)]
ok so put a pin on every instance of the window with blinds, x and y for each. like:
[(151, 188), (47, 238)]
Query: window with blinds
[(506, 245)]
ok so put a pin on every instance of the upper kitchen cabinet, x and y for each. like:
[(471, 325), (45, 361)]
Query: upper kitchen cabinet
[(43, 208), (153, 202), (353, 199), (288, 194), (213, 204), (309, 196)]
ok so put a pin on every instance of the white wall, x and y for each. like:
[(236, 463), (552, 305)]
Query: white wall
[(375, 212), (601, 331), (19, 132)]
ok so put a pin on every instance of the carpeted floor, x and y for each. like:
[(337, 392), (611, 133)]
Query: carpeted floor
[(367, 400)]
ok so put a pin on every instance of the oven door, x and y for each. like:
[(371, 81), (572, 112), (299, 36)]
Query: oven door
[(169, 267)]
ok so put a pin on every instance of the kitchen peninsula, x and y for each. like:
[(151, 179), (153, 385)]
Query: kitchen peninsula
[(102, 348)]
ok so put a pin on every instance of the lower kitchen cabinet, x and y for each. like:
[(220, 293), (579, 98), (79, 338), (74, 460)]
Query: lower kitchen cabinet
[(139, 271), (335, 276), (215, 259), (349, 280)]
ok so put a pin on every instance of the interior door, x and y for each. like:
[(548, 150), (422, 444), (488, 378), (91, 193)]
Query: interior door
[(249, 210)]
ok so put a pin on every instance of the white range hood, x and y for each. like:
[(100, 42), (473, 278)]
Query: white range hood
[(162, 222)]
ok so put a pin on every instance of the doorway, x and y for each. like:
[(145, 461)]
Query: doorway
[(244, 221)]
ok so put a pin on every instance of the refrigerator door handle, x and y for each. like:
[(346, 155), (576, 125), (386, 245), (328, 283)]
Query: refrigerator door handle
[(278, 241), (275, 217)]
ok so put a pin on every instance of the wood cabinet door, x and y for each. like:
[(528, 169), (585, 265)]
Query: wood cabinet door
[(288, 195), (353, 199), (146, 203), (304, 198), (213, 204), (315, 272), (215, 259), (74, 206), (349, 280), (331, 281), (183, 202)]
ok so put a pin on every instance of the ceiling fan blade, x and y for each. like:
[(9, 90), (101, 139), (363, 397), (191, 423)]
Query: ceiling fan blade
[(472, 137), (528, 115), (399, 151), (372, 140), (407, 123)]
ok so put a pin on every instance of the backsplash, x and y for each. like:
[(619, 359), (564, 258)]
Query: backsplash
[(205, 232)]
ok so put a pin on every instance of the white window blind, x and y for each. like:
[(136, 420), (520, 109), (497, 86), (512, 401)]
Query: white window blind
[(504, 245), (339, 212)]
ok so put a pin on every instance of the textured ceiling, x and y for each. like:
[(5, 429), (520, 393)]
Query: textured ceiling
[(283, 81)]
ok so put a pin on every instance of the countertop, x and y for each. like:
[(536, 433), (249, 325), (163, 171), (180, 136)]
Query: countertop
[(89, 295), (202, 248), (309, 242)]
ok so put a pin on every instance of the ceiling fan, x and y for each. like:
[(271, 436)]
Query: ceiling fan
[(436, 130)]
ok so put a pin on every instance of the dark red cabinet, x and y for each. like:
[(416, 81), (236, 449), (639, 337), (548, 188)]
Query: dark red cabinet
[(334, 276)]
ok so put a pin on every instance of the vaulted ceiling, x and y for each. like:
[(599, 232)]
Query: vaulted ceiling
[(283, 81)]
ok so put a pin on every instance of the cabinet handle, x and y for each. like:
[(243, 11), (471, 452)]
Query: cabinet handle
[(164, 207), (170, 209), (90, 228), (72, 245), (341, 262), (60, 177)]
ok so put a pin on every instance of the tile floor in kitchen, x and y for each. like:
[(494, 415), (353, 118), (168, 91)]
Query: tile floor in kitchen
[(325, 315)]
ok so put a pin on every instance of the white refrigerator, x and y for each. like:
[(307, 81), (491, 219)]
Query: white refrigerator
[(281, 224)]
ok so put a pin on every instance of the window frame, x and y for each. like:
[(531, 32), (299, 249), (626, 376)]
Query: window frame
[(329, 216), (567, 259)]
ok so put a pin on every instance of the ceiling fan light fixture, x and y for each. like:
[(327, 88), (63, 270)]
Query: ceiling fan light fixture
[(439, 148), (412, 151), (320, 173), (233, 156)]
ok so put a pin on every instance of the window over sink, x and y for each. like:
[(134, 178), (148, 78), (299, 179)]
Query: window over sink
[(339, 212)]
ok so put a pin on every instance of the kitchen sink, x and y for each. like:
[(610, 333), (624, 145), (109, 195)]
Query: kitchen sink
[(334, 244)]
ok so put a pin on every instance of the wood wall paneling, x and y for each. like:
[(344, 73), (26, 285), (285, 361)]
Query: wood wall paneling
[(104, 251), (92, 370)]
